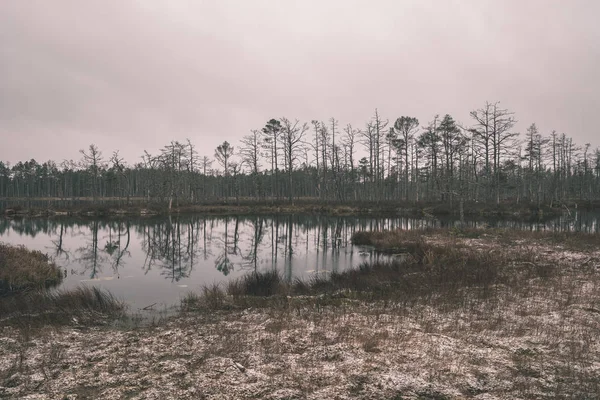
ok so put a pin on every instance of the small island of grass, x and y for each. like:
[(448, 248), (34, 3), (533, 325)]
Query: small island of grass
[(22, 269)]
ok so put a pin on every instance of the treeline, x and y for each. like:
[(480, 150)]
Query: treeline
[(404, 160)]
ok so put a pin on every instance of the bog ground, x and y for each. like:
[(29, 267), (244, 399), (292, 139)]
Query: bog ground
[(527, 332)]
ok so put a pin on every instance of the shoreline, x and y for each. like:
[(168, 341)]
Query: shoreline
[(383, 209)]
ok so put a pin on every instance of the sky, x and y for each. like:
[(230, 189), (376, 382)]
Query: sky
[(133, 75)]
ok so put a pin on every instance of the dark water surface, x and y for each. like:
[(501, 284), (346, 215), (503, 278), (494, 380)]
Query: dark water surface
[(157, 260)]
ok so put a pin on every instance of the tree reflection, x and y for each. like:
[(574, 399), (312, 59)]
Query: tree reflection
[(173, 258), (251, 257), (171, 246), (115, 248), (89, 256), (289, 250), (59, 251), (207, 238), (223, 262), (178, 247)]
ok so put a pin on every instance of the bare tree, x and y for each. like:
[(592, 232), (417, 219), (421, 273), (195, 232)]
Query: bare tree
[(271, 132), (350, 144), (292, 134), (335, 159), (431, 143), (250, 153), (503, 139), (482, 133), (93, 162), (534, 155), (379, 127), (119, 167), (205, 164), (223, 153), (316, 148), (192, 163), (368, 141), (406, 129), (324, 140), (452, 143)]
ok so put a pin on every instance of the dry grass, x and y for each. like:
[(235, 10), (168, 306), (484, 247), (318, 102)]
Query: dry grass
[(26, 300), (23, 269), (436, 271), (82, 306), (263, 284), (461, 315), (252, 290)]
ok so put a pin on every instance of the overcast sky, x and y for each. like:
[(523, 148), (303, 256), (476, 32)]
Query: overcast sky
[(134, 75)]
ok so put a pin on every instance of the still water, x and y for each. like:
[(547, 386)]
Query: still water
[(155, 261)]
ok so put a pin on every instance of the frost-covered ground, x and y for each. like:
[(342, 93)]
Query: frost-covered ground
[(540, 341)]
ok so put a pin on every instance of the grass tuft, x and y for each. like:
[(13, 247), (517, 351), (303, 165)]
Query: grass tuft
[(263, 284), (85, 304), (22, 269)]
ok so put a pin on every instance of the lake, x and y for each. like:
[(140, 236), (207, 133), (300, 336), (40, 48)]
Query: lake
[(156, 260)]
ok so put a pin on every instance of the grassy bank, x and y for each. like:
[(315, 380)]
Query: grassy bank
[(26, 299), (34, 208), (485, 314), (22, 269), (81, 306)]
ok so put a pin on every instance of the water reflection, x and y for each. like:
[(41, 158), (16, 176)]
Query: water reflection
[(258, 233), (89, 257), (145, 259), (169, 246)]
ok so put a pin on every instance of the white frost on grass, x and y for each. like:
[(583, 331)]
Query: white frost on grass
[(533, 342)]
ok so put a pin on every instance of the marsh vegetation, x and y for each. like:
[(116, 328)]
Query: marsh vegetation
[(22, 269), (440, 313)]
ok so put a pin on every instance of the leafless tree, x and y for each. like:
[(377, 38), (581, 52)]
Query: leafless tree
[(292, 135)]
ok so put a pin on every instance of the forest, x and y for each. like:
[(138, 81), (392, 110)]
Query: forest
[(484, 161)]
